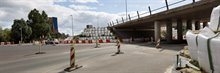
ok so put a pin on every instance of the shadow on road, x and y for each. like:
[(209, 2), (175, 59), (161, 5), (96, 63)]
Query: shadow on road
[(163, 45), (117, 53)]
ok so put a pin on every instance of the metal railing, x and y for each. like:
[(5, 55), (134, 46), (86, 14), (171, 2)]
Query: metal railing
[(150, 12)]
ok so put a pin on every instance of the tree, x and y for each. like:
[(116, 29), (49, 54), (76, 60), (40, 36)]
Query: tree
[(39, 24), (5, 35), (18, 27), (1, 35), (45, 17)]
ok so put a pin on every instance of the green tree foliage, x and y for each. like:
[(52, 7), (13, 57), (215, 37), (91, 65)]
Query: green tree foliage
[(5, 35), (35, 27), (1, 34), (58, 35), (39, 24), (18, 27)]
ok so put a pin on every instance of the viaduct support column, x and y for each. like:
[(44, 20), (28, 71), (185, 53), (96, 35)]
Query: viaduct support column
[(169, 30), (133, 34), (156, 30), (197, 25), (205, 24), (179, 30), (189, 24)]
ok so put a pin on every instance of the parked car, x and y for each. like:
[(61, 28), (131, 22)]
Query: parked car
[(55, 41)]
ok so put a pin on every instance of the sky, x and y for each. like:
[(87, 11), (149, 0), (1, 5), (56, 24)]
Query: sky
[(85, 12)]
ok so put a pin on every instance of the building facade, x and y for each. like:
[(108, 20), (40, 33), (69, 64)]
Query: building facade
[(53, 24)]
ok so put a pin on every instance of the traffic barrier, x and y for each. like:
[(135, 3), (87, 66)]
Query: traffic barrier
[(12, 43), (72, 60), (193, 44), (207, 42), (94, 41), (80, 41), (90, 41), (100, 41), (71, 42), (77, 41), (104, 41), (64, 42), (83, 41), (5, 43), (2, 43), (72, 56), (87, 41), (204, 58), (107, 41), (8, 43)]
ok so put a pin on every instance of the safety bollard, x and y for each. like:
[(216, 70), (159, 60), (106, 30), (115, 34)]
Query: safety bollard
[(73, 65), (72, 56), (40, 48), (158, 44), (177, 60)]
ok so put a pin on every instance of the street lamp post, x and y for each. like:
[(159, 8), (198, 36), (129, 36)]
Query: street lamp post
[(72, 25), (126, 9), (97, 44)]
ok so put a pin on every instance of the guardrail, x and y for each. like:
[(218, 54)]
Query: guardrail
[(150, 12)]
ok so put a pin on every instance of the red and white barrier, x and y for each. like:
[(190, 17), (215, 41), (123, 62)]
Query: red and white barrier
[(83, 41), (100, 41), (86, 41), (2, 43), (108, 41), (6, 43)]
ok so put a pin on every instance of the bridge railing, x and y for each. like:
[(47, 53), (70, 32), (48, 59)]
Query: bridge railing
[(150, 12)]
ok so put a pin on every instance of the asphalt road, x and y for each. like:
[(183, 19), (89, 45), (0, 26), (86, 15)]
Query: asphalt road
[(136, 59), (14, 52)]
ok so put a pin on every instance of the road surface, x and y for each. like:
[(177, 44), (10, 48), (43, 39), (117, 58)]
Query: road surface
[(136, 59)]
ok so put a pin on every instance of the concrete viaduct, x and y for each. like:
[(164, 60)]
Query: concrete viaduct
[(191, 16)]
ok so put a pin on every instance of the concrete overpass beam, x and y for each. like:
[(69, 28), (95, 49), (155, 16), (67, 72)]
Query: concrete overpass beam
[(169, 30), (156, 30), (179, 30)]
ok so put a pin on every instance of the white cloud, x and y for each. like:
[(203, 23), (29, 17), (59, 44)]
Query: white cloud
[(86, 1), (81, 7), (78, 1), (60, 0), (11, 9)]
